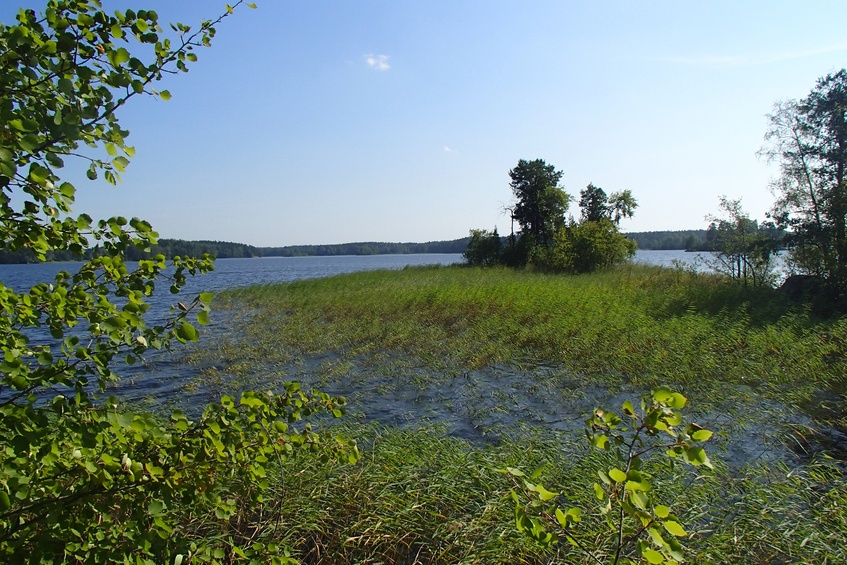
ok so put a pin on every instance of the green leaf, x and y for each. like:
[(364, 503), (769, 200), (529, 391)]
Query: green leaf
[(545, 494), (677, 401), (67, 190), (156, 508), (561, 518), (652, 556), (642, 486), (697, 456), (701, 435), (38, 173), (165, 95), (661, 511), (662, 394), (118, 56), (599, 492), (639, 500), (656, 536), (675, 528), (187, 332), (617, 475), (120, 163)]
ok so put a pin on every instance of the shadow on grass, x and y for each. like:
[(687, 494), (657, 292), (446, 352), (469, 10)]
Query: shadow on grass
[(679, 293)]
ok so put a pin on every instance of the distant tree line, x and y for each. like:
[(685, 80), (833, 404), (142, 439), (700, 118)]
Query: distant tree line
[(367, 248), (168, 247), (183, 248), (690, 240)]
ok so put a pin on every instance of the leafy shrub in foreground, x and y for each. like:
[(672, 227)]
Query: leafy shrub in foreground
[(82, 479), (640, 526)]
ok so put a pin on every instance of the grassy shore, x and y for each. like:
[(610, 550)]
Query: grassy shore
[(493, 346)]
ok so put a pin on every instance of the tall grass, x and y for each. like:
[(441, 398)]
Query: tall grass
[(640, 326), (421, 496)]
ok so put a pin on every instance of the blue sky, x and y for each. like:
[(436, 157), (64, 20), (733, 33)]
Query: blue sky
[(329, 122)]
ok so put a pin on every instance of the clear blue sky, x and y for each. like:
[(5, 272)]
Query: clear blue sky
[(329, 122)]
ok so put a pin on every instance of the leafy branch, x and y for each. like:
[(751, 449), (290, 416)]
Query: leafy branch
[(630, 505)]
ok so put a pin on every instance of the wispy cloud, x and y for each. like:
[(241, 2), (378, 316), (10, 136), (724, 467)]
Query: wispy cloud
[(752, 59), (447, 149), (377, 62)]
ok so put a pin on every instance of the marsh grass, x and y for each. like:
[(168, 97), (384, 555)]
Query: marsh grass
[(638, 326), (419, 496), (522, 357)]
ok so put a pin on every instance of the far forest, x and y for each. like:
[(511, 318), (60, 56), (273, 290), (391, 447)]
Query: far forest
[(689, 240)]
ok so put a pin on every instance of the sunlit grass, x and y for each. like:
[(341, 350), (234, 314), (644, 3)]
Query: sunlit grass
[(639, 326), (420, 496)]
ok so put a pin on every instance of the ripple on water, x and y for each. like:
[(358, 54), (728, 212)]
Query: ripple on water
[(483, 405)]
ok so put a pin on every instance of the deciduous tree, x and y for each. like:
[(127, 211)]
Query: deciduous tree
[(82, 478), (742, 250), (808, 138), (622, 205), (483, 248), (596, 205), (589, 246)]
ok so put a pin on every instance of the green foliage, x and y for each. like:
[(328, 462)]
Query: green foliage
[(636, 324), (594, 203), (82, 478), (623, 205), (101, 484), (588, 246), (367, 248), (597, 206), (809, 140), (438, 331), (547, 241), (484, 248), (540, 203), (742, 250), (640, 527)]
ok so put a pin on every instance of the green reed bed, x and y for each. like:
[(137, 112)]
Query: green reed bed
[(420, 496), (640, 326)]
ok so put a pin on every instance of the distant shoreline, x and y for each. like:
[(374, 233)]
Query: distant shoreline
[(694, 240)]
